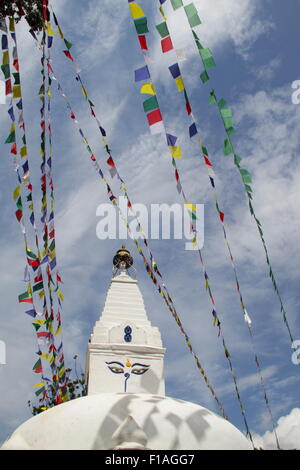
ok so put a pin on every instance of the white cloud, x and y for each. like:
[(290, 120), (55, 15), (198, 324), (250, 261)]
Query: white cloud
[(288, 431), (223, 20)]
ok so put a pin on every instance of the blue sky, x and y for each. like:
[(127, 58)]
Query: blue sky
[(255, 45)]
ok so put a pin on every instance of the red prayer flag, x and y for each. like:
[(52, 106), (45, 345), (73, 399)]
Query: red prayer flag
[(166, 44), (8, 88), (143, 42), (13, 149), (222, 216), (16, 64), (67, 53), (154, 116), (29, 301), (19, 214), (110, 162), (188, 108), (207, 161)]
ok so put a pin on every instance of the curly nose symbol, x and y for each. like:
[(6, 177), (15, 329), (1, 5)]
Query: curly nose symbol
[(127, 375)]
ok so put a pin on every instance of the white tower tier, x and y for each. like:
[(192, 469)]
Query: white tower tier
[(125, 352)]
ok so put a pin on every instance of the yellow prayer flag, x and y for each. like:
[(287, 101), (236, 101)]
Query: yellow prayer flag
[(175, 151), (84, 92), (41, 384), (147, 88), (49, 93), (190, 206), (61, 372), (50, 31), (39, 322), (179, 83), (16, 193), (23, 151), (59, 330), (29, 291), (42, 294), (60, 295), (17, 91), (5, 58), (11, 25), (136, 10), (46, 356), (163, 13), (60, 32)]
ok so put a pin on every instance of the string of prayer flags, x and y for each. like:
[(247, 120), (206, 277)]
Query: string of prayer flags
[(246, 178), (32, 259), (162, 30), (228, 123)]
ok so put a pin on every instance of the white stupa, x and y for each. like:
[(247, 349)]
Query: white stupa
[(126, 406)]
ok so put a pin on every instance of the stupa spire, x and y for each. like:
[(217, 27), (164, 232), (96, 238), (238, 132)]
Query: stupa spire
[(125, 352)]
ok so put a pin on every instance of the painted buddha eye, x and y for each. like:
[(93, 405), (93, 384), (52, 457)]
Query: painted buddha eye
[(139, 371), (116, 370), (116, 367)]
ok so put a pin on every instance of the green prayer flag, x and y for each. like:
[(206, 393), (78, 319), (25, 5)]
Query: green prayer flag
[(209, 63), (141, 25), (11, 138), (38, 392), (162, 28), (237, 160), (52, 246), (247, 179), (17, 78), (212, 99), (222, 103), (228, 150), (38, 286), (230, 131), (6, 71), (228, 122), (204, 76), (19, 204), (38, 363), (23, 296), (205, 53), (68, 44), (226, 112), (150, 104), (192, 15), (176, 4)]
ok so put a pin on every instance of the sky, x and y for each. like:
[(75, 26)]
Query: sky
[(254, 44)]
